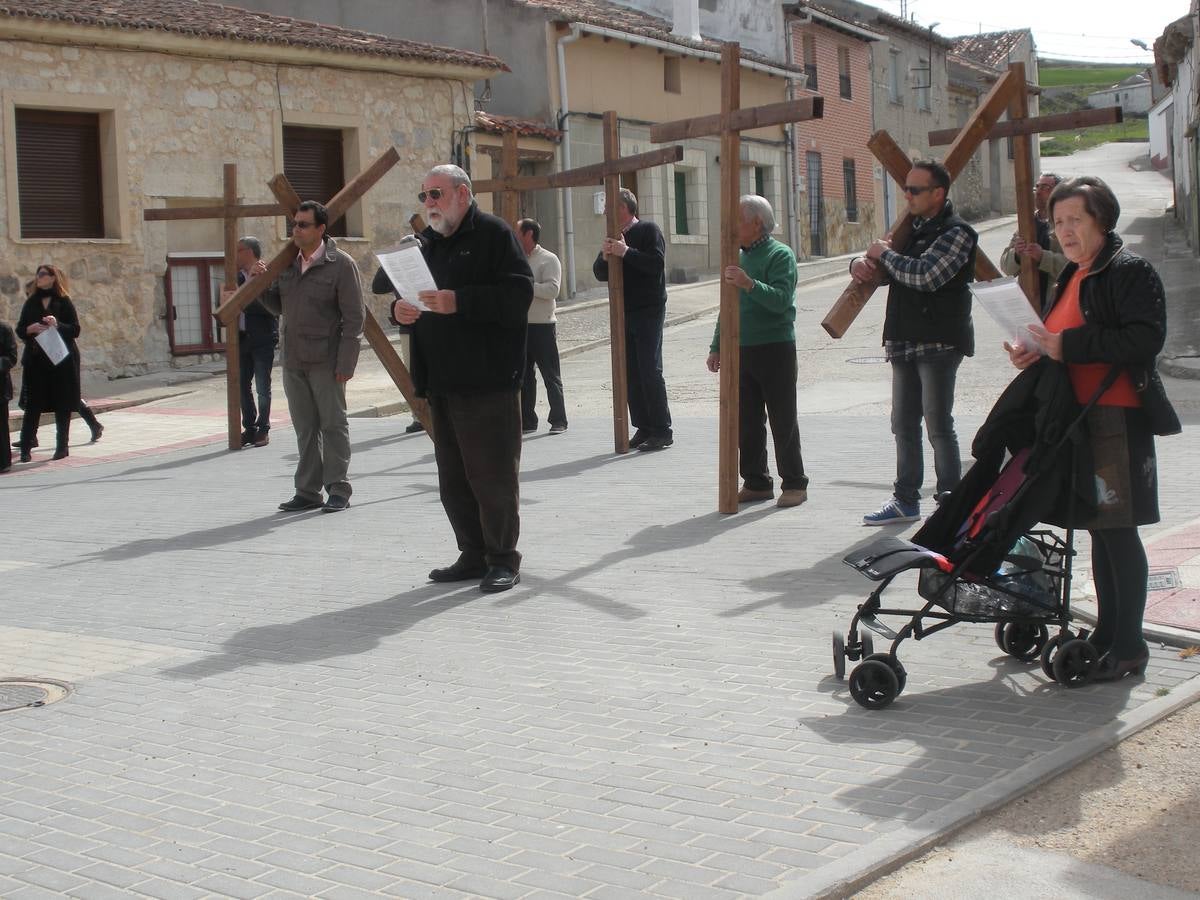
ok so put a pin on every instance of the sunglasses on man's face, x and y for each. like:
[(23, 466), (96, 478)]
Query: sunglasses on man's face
[(301, 226), (433, 194), (916, 190)]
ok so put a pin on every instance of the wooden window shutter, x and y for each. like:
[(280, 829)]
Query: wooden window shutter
[(59, 182), (313, 163)]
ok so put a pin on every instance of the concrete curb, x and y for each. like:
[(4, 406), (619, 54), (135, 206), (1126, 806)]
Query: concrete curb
[(856, 870), (1181, 367)]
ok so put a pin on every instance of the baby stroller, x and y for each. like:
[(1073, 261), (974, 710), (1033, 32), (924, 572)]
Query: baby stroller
[(980, 557)]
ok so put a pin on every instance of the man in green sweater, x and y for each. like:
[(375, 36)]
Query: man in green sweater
[(766, 281)]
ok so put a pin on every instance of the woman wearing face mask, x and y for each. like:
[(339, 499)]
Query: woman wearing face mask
[(48, 386), (1109, 311)]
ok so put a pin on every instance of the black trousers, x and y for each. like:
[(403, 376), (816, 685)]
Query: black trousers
[(256, 356), (648, 409), (5, 442), (541, 349), (477, 444), (767, 392)]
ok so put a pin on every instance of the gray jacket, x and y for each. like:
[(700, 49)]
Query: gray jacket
[(322, 312)]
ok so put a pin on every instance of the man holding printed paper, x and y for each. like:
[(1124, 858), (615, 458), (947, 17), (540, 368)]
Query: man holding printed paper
[(927, 331), (468, 360)]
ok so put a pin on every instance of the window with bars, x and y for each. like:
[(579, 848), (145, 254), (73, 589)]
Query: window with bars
[(849, 177), (314, 163), (809, 45), (925, 79), (844, 72), (60, 185)]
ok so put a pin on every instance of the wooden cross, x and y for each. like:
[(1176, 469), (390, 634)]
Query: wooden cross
[(973, 133), (230, 211), (729, 123), (1021, 128), (229, 309), (609, 172)]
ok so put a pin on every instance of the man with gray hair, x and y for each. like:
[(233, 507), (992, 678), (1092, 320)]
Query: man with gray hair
[(767, 371), (1044, 250), (468, 359), (258, 336)]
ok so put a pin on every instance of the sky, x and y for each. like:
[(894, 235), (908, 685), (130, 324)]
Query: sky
[(1086, 30)]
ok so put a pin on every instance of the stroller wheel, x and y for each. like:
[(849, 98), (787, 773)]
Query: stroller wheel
[(839, 655), (1022, 641), (873, 684), (998, 634), (1049, 651), (1075, 663), (866, 646), (897, 668)]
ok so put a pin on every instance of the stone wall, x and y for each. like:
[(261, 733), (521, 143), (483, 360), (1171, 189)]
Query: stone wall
[(183, 118)]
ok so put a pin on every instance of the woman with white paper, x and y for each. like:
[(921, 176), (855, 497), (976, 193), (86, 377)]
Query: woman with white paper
[(48, 385), (1106, 322)]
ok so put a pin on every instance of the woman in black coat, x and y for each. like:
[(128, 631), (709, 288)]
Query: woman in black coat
[(46, 385), (8, 359), (1108, 313)]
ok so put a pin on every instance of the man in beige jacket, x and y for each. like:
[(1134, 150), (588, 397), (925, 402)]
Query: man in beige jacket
[(320, 299), (541, 341)]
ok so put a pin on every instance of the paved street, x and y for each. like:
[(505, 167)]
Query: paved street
[(264, 705)]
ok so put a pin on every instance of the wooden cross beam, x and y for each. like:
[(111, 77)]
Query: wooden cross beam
[(229, 309), (229, 211), (608, 173), (973, 133), (729, 124), (372, 330), (1021, 128)]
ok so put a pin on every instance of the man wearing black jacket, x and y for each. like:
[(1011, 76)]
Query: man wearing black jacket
[(468, 360), (643, 252), (927, 331)]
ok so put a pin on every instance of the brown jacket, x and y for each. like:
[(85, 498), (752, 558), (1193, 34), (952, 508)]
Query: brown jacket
[(322, 312)]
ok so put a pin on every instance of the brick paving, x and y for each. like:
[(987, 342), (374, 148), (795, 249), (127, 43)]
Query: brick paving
[(271, 706)]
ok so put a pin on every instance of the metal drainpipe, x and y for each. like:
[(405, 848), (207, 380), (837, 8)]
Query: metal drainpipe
[(568, 209), (790, 152)]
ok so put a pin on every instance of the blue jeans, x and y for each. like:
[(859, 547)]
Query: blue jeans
[(256, 358), (924, 389)]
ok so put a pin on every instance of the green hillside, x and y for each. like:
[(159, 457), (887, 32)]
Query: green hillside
[(1094, 77)]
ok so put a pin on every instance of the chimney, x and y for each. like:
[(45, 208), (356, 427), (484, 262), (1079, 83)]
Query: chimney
[(687, 19)]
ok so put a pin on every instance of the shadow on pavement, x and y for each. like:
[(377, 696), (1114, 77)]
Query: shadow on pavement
[(342, 632)]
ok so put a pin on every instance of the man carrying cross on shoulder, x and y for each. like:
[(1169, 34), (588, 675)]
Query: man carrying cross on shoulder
[(927, 331)]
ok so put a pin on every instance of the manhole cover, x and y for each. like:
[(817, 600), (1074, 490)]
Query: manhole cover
[(867, 360), (27, 693), (1163, 580)]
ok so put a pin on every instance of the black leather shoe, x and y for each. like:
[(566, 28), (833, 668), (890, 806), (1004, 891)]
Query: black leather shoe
[(26, 456), (637, 440), (62, 453), (1112, 669), (336, 503), (459, 571), (248, 437), (299, 504), (499, 578), (33, 443), (658, 442), (414, 427), (97, 432)]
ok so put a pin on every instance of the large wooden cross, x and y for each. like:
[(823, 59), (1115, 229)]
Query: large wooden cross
[(1008, 94), (973, 133), (729, 123), (510, 184), (229, 309), (1021, 128), (230, 211)]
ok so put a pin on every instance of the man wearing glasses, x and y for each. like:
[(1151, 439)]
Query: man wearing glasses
[(1045, 250), (927, 331), (320, 298), (468, 359)]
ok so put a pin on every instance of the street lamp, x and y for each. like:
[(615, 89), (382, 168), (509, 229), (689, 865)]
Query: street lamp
[(1138, 43)]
